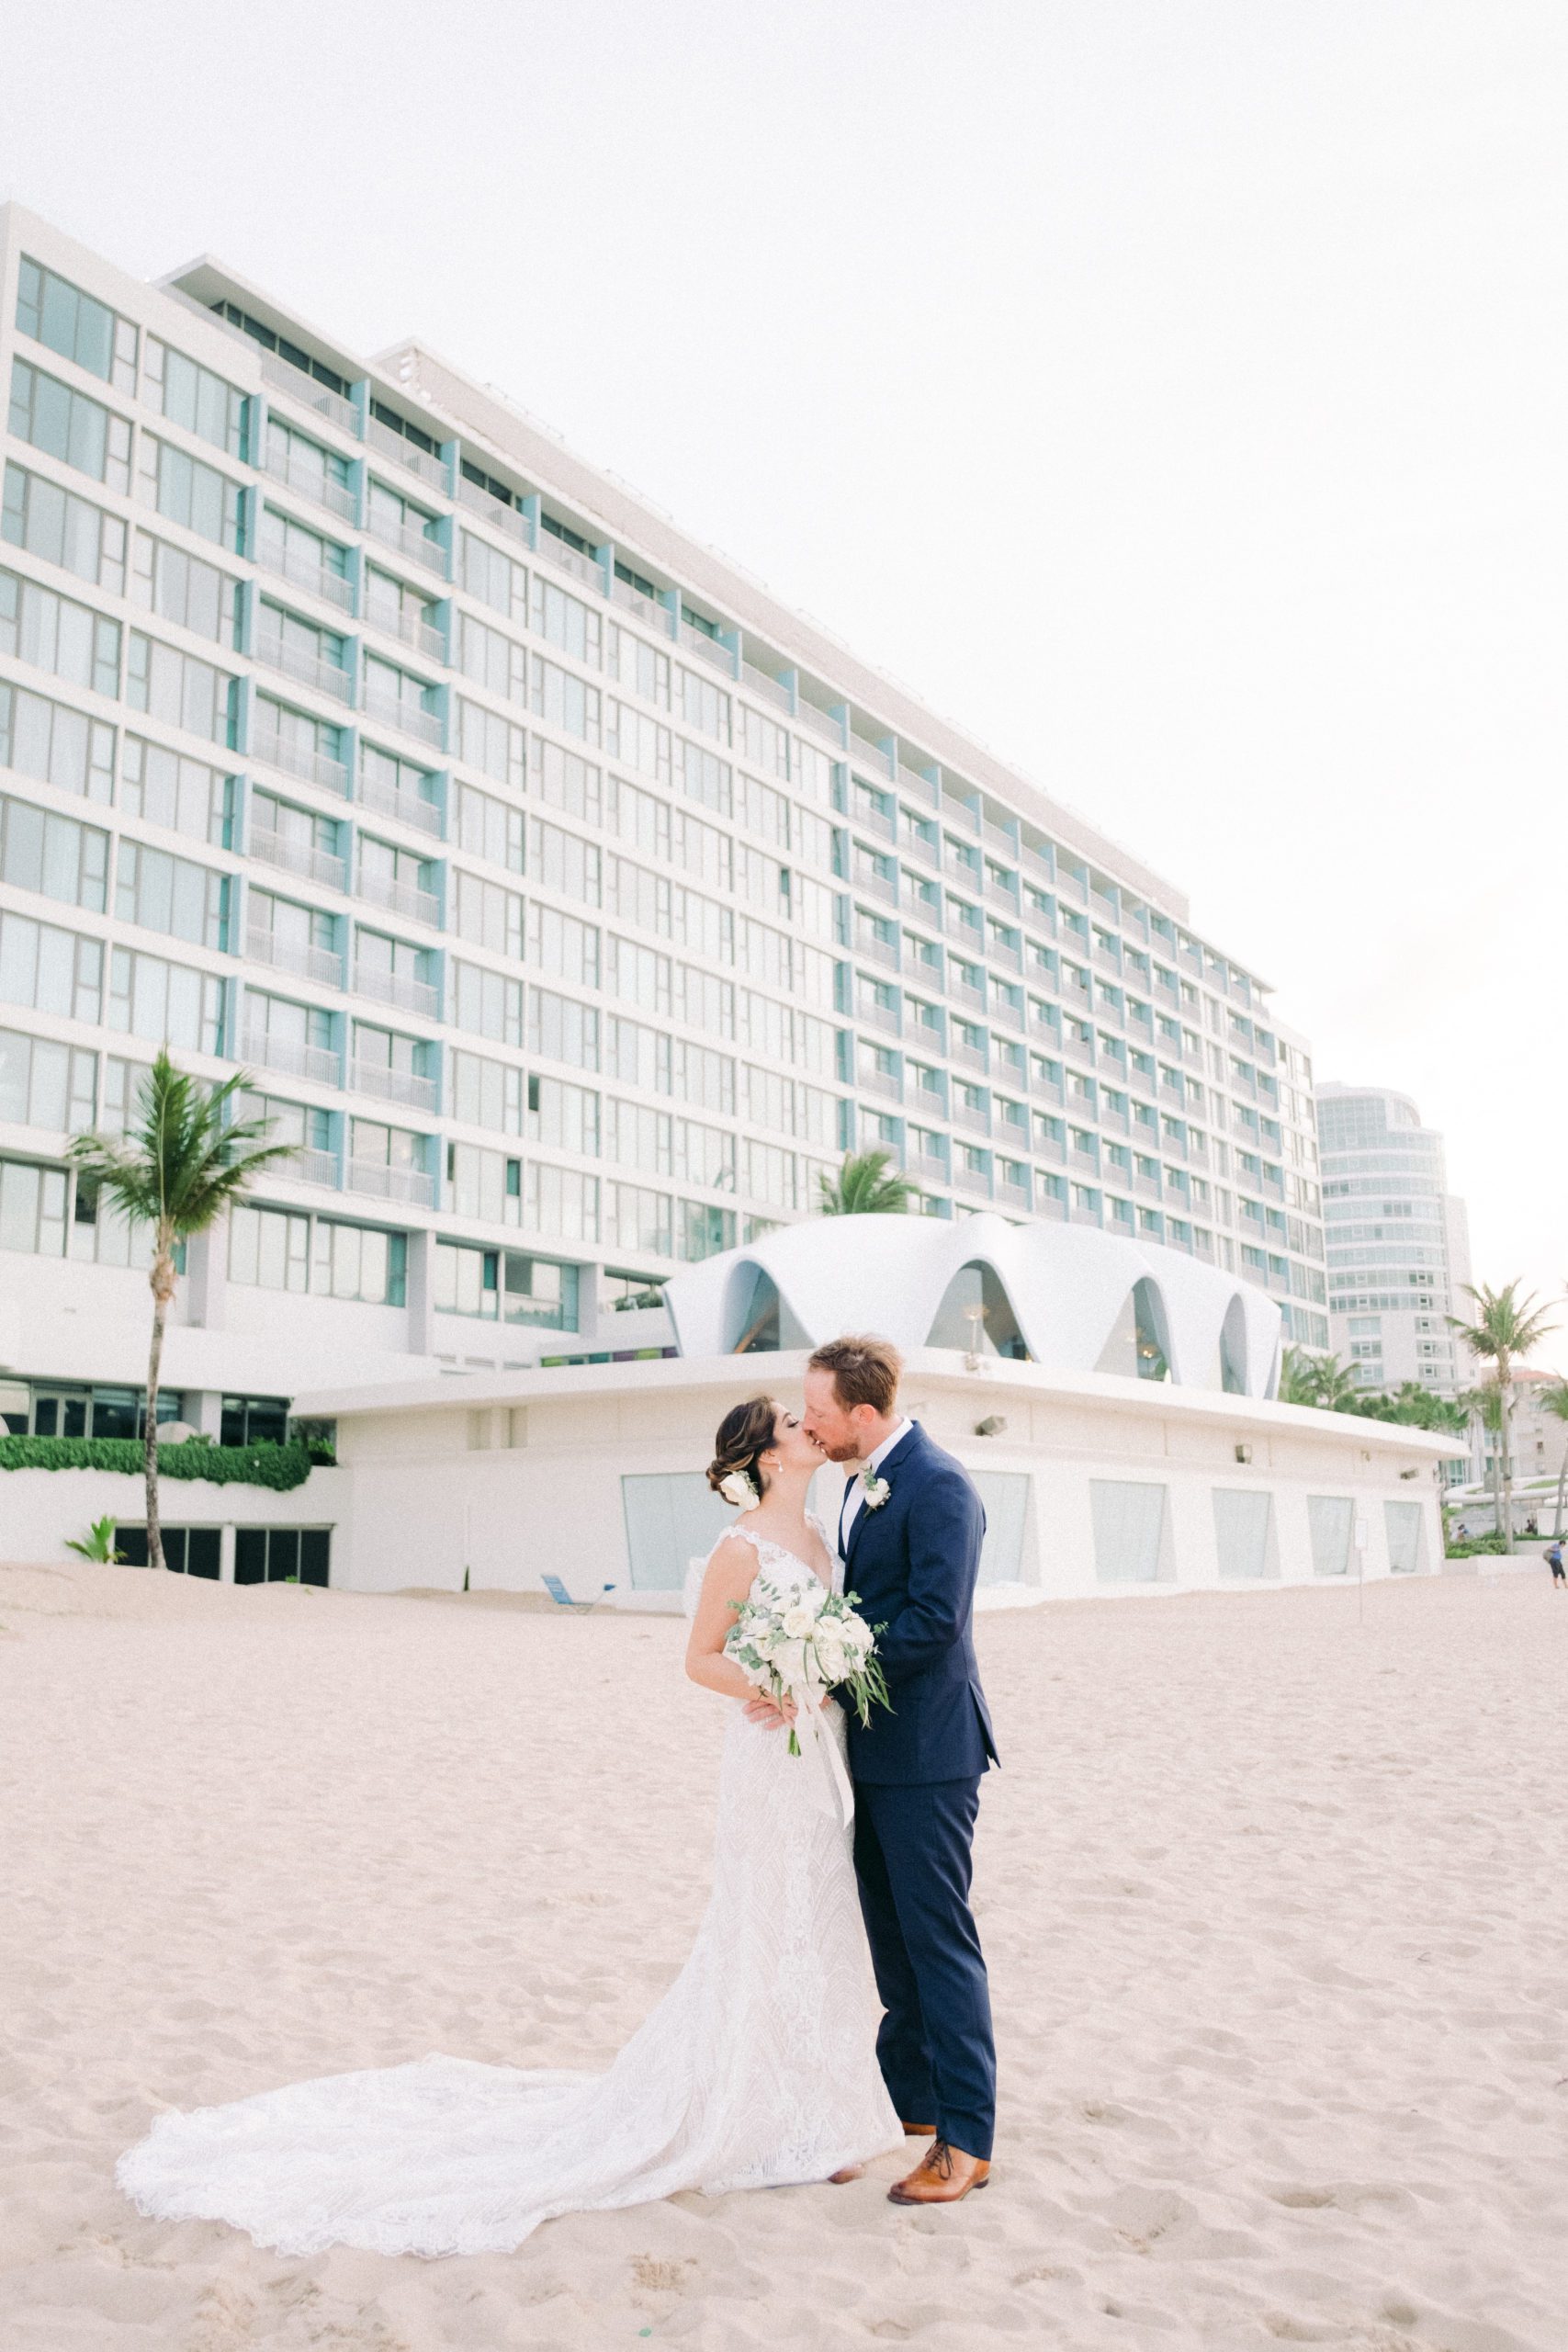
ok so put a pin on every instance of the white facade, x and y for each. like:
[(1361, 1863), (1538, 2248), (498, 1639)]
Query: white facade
[(1398, 1241), (574, 903), (1092, 1484), (1058, 1296)]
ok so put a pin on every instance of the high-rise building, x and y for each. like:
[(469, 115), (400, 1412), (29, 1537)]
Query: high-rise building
[(1398, 1240), (573, 903)]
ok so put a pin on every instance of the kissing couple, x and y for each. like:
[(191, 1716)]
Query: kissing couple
[(764, 2063)]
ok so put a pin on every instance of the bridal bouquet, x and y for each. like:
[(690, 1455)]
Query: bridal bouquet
[(804, 1643)]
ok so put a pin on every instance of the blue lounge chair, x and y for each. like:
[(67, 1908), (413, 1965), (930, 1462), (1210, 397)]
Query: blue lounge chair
[(561, 1596)]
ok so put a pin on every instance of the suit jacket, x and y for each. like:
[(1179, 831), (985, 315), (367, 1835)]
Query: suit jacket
[(914, 1562)]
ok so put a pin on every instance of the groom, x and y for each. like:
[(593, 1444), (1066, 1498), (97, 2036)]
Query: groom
[(910, 1533)]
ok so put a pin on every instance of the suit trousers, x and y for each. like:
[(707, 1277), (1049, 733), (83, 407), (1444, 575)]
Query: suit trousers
[(913, 1862)]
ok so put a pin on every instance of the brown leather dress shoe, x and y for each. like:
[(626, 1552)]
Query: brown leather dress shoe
[(844, 2173), (943, 2175), (918, 2130)]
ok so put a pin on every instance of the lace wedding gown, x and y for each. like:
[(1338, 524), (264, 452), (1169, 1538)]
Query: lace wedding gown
[(758, 2068)]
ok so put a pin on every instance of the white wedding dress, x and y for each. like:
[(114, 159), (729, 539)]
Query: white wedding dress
[(758, 2068)]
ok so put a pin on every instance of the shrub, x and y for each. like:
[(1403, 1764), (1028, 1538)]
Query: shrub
[(281, 1467)]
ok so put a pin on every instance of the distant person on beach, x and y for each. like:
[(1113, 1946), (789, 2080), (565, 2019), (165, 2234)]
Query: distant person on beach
[(1555, 1562), (1462, 1533), (1532, 1525)]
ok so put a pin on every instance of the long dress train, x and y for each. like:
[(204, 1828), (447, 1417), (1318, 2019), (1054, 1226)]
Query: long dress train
[(758, 2068)]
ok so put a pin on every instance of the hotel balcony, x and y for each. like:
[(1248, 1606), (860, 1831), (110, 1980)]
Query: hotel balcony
[(308, 963), (263, 1051), (299, 857)]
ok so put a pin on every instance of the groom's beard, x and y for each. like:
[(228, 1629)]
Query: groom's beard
[(841, 1452)]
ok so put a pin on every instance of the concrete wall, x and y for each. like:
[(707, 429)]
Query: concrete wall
[(40, 1509), (515, 1488)]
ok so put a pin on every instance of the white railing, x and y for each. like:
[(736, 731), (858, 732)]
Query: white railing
[(876, 951), (976, 1122), (406, 897), (306, 669), (309, 1167), (490, 510), (294, 759), (313, 1062), (309, 963), (309, 481), (970, 1057), (876, 886), (1006, 1013), (648, 610), (820, 724), (707, 649), (565, 558), (410, 806), (878, 1016), (391, 1183), (766, 689), (877, 1081), (406, 538), (314, 578), (299, 857), (406, 625), (919, 785), (393, 445), (282, 374), (391, 710), (393, 1085), (871, 818), (960, 993), (916, 845), (392, 988)]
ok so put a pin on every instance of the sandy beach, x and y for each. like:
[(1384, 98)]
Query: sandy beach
[(1275, 1901)]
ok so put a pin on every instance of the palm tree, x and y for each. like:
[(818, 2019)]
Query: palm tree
[(1485, 1404), (866, 1185), (182, 1163), (1321, 1381), (1505, 1331), (1554, 1401)]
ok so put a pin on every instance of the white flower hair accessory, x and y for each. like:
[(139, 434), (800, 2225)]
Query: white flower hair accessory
[(737, 1488), (875, 1490)]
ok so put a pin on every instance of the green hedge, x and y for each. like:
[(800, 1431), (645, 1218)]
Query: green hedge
[(278, 1466)]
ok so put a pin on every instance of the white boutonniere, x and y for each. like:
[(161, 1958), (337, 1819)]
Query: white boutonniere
[(876, 1490), (737, 1488)]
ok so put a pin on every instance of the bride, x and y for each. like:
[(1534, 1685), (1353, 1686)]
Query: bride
[(758, 2068)]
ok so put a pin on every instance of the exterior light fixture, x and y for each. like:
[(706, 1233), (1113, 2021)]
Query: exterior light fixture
[(992, 1426), (1244, 1453)]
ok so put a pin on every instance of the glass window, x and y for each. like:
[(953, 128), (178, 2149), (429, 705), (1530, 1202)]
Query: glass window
[(69, 425), (77, 325), (165, 1004), (54, 856), (185, 590), (48, 969), (61, 528), (172, 895), (55, 633), (56, 745), (188, 490), (43, 1084), (182, 691), (32, 1208), (192, 397), (185, 795)]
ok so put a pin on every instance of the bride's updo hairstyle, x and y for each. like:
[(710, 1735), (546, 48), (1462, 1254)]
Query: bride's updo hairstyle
[(745, 1434)]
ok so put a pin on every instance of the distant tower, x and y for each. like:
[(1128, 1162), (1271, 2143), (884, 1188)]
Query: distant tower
[(1398, 1240)]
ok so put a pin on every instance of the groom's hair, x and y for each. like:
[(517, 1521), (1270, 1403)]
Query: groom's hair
[(866, 1372)]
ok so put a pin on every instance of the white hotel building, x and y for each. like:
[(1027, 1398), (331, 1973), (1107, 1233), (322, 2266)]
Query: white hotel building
[(573, 903)]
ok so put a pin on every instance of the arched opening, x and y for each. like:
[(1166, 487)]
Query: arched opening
[(1233, 1349), (1139, 1344), (975, 1313), (760, 1322)]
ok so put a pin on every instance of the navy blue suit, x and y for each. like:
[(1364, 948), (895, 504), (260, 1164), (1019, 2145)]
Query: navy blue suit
[(914, 1561)]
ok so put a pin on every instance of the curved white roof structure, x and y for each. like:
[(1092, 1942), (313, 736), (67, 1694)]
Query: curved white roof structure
[(1067, 1297)]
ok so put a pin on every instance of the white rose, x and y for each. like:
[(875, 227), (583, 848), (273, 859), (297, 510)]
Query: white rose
[(798, 1621), (831, 1661)]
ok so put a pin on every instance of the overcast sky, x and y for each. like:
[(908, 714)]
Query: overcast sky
[(1173, 393)]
